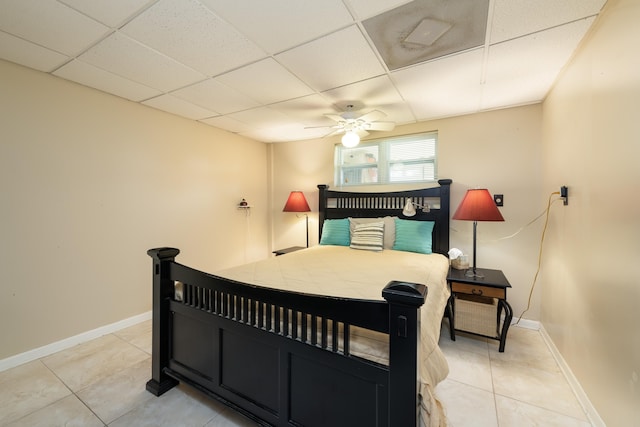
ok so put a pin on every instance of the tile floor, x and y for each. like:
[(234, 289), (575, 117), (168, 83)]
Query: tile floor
[(101, 382)]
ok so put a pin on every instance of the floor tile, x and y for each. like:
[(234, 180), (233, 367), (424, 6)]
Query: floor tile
[(549, 390), (180, 406), (68, 412), (464, 341), (470, 368), (525, 347), (513, 413), (231, 418), (138, 335), (114, 396), (95, 360), (26, 389), (466, 405)]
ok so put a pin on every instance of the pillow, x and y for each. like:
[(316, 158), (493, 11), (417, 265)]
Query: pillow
[(413, 236), (389, 228), (368, 236), (335, 232)]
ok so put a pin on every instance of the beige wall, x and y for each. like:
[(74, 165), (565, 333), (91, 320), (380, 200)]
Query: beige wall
[(591, 297), (89, 183), (499, 150)]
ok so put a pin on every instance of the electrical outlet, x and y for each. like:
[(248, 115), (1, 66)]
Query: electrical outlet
[(564, 193), (499, 199)]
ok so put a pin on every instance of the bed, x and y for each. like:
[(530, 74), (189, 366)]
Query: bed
[(326, 336)]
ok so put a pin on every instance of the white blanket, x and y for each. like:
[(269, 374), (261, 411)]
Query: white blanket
[(344, 272)]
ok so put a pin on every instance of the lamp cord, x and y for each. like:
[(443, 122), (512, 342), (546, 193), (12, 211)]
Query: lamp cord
[(544, 231)]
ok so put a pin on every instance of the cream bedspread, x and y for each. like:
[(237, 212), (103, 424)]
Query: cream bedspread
[(345, 272)]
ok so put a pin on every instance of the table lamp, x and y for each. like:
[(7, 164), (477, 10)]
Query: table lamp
[(298, 203), (477, 205)]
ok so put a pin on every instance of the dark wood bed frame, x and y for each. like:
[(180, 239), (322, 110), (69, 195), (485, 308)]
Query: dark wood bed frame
[(280, 357)]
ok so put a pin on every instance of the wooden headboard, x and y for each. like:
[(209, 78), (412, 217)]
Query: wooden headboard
[(343, 204)]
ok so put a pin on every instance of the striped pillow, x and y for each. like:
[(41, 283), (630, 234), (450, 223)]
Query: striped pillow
[(368, 236)]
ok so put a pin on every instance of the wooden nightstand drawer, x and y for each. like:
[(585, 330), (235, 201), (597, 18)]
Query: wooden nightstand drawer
[(475, 289)]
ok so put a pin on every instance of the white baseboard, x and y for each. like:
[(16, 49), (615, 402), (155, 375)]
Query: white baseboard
[(526, 323), (582, 397), (37, 353)]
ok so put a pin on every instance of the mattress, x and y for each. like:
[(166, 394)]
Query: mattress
[(344, 272)]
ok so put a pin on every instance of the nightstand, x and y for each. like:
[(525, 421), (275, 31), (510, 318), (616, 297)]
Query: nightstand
[(288, 250), (477, 304)]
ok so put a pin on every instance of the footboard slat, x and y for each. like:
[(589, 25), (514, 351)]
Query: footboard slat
[(303, 328), (347, 334), (334, 336), (314, 330), (323, 333)]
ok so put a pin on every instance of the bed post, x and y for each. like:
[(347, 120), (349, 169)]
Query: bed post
[(405, 300), (163, 290), (322, 207), (443, 221)]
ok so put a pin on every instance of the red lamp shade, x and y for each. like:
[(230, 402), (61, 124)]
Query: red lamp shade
[(296, 203), (478, 205)]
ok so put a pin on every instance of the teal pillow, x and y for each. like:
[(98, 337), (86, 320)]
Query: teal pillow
[(413, 236), (335, 232)]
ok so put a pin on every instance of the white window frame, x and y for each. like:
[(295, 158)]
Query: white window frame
[(378, 172)]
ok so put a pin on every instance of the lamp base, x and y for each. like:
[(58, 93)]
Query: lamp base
[(472, 272)]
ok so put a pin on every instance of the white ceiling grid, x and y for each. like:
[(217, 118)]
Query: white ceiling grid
[(268, 70)]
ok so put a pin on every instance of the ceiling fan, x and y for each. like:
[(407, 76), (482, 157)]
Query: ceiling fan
[(357, 126)]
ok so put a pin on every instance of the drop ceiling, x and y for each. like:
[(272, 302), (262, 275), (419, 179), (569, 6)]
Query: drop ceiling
[(270, 70)]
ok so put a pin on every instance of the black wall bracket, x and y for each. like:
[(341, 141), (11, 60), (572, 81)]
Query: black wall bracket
[(564, 194)]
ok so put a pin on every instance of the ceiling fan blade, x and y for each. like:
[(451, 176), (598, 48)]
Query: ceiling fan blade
[(381, 126), (320, 127), (372, 116), (334, 132), (335, 117), (362, 133)]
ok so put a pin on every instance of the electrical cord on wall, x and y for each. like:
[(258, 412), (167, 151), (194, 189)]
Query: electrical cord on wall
[(544, 230)]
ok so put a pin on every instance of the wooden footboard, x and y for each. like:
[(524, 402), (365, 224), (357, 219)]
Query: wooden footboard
[(284, 358)]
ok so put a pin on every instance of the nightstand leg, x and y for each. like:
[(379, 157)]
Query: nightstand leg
[(451, 314), (508, 315)]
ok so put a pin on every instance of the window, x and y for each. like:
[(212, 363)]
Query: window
[(401, 159)]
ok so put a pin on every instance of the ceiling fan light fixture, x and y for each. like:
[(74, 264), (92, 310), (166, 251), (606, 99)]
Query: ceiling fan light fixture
[(350, 139)]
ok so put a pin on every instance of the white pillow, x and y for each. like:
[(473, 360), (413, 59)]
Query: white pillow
[(368, 236), (389, 228)]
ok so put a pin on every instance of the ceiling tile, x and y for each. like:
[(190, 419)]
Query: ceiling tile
[(261, 117), (112, 13), (335, 60), (105, 81), (377, 93), (28, 54), (227, 123), (50, 24), (428, 29), (214, 96), (308, 110), (522, 70), (190, 33), (515, 18), (269, 125), (127, 58), (174, 105), (367, 8), (277, 25), (283, 133), (266, 82), (442, 88)]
